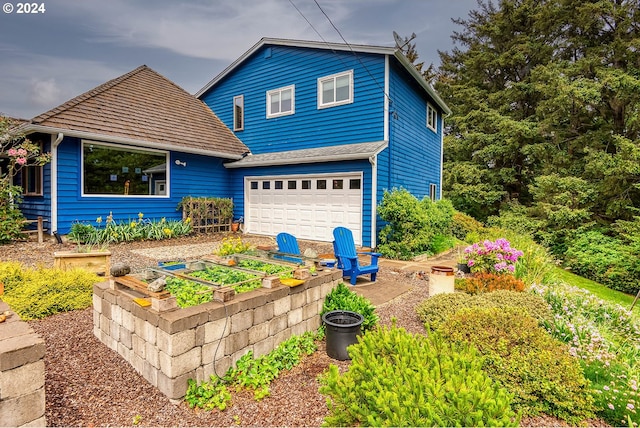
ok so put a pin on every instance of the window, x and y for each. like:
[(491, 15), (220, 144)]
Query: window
[(306, 184), (266, 185), (432, 118), (254, 185), (32, 180), (116, 170), (291, 184), (278, 184), (238, 113), (354, 183), (335, 90), (321, 184), (433, 190), (281, 102), (337, 185)]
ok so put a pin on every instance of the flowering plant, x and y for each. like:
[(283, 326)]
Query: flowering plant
[(493, 257)]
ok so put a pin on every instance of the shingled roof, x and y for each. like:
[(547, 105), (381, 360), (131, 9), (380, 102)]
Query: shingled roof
[(142, 107)]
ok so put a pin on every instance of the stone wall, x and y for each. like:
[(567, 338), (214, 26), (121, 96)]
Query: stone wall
[(168, 348), (21, 373)]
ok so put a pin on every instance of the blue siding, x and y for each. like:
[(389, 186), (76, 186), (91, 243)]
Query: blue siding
[(309, 127), (316, 168), (414, 149), (203, 176), (34, 206)]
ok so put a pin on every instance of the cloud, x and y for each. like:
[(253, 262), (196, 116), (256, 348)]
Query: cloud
[(44, 93)]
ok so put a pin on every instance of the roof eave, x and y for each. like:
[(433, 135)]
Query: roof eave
[(295, 43), (421, 81), (310, 159), (30, 128)]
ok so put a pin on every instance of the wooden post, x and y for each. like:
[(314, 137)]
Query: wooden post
[(40, 230)]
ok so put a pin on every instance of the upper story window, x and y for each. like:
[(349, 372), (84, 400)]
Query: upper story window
[(432, 118), (238, 113), (281, 102), (335, 90), (111, 170)]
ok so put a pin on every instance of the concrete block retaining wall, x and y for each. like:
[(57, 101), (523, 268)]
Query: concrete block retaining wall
[(21, 374), (168, 348)]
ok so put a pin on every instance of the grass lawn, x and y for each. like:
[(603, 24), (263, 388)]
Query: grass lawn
[(614, 296)]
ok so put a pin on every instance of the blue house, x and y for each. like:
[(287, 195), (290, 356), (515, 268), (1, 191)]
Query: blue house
[(304, 136), (329, 127), (137, 143)]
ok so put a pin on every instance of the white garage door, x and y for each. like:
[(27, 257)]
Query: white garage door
[(307, 206)]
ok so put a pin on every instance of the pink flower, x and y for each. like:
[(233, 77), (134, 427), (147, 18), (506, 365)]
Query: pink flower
[(22, 152), (611, 406), (12, 152), (21, 161)]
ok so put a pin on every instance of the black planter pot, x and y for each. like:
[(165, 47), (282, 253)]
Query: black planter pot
[(342, 330), (464, 268)]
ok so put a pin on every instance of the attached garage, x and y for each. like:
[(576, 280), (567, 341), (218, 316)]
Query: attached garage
[(309, 206)]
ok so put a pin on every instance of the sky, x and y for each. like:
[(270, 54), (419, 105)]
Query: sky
[(72, 46)]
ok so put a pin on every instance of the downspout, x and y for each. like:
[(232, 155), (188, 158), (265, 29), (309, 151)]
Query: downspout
[(441, 154), (373, 160), (54, 181)]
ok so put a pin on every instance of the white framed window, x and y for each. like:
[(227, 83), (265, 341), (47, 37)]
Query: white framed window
[(335, 90), (238, 113), (432, 118), (114, 170), (281, 101), (433, 192)]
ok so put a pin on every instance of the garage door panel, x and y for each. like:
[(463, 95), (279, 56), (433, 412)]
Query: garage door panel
[(307, 213)]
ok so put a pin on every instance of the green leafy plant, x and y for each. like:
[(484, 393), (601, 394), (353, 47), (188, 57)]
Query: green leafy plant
[(268, 268), (188, 293), (231, 245), (251, 373), (342, 298), (220, 275), (399, 379), (38, 293), (482, 282), (463, 224), (526, 360)]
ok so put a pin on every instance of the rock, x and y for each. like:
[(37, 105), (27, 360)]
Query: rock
[(120, 269), (157, 285)]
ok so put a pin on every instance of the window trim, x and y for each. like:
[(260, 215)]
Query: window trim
[(24, 177), (433, 191), (235, 117), (126, 147), (279, 91), (335, 77), (432, 116)]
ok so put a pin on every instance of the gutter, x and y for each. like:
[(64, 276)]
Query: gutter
[(54, 181), (130, 141)]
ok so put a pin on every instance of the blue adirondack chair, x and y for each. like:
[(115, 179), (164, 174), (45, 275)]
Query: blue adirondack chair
[(345, 250), (287, 243)]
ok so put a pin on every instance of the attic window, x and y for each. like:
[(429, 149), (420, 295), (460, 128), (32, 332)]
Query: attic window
[(281, 102), (238, 113), (335, 90), (432, 118)]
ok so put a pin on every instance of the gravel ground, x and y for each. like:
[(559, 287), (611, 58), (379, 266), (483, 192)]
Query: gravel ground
[(87, 384)]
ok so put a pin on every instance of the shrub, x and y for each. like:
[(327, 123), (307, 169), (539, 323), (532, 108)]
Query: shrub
[(526, 360), (606, 260), (38, 293), (398, 379), (437, 309), (535, 266), (342, 298), (412, 224), (489, 256), (463, 224), (486, 282)]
